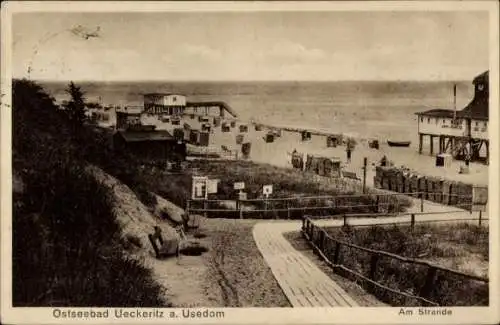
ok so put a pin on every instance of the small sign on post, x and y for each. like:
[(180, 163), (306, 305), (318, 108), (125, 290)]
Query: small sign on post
[(267, 190), (199, 188), (239, 186), (212, 186)]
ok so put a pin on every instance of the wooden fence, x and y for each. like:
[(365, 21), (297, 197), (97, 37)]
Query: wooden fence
[(297, 207), (418, 282)]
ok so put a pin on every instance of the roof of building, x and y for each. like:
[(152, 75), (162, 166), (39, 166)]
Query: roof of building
[(484, 77), (438, 112), (138, 136), (162, 94), (213, 103), (477, 109)]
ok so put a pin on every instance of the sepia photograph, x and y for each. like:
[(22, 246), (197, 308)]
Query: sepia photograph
[(163, 162)]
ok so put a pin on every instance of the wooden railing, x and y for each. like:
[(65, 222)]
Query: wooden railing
[(424, 292), (296, 207)]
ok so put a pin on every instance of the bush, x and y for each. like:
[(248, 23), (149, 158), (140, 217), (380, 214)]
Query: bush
[(67, 249)]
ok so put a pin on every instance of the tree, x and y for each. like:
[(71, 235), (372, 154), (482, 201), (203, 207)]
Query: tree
[(76, 106)]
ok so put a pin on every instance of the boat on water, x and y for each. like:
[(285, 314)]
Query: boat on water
[(398, 143)]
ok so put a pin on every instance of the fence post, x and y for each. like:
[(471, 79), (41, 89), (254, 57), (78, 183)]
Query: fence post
[(373, 266), (241, 211), (422, 202), (365, 162), (378, 203), (288, 209), (345, 220), (336, 257), (188, 202), (412, 221), (480, 216), (205, 207), (429, 282)]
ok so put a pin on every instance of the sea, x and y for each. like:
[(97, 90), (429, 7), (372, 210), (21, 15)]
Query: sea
[(363, 109)]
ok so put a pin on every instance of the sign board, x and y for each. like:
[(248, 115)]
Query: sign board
[(239, 185), (479, 198), (267, 190), (242, 196), (199, 188), (212, 186)]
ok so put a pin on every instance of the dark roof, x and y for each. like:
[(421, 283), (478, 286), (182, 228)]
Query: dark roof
[(162, 94), (484, 77), (213, 103), (437, 113), (137, 136), (477, 109)]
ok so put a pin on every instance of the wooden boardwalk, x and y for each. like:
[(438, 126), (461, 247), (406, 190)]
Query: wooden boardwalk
[(304, 284)]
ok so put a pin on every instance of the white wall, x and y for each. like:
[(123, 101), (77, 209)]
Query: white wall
[(479, 129), (440, 126), (174, 100)]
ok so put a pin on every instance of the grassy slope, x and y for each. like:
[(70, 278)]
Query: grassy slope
[(286, 183), (67, 249), (452, 246)]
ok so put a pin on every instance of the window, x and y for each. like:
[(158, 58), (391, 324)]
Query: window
[(485, 124), (421, 119), (444, 121), (477, 123), (428, 120)]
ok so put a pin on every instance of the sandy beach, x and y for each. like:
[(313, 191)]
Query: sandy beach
[(278, 152)]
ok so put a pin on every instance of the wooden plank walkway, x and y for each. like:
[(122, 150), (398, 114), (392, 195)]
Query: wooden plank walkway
[(304, 284)]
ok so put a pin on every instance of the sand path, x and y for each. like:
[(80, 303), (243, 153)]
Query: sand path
[(304, 284)]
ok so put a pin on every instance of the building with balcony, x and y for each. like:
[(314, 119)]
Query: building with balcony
[(462, 133), (164, 104)]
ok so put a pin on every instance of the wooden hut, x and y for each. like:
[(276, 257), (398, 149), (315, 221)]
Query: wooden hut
[(243, 128), (446, 191), (176, 120), (179, 134), (206, 127), (334, 140), (225, 127), (414, 185), (245, 149), (298, 161), (373, 144), (204, 139), (269, 138), (194, 137), (438, 190)]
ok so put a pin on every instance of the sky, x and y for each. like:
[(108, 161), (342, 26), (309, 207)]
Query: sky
[(219, 46)]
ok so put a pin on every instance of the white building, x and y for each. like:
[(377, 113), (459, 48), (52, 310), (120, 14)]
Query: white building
[(464, 132), (169, 104)]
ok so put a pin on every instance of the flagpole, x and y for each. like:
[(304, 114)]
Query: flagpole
[(454, 102)]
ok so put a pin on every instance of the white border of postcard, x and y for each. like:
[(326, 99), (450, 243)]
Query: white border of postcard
[(463, 315)]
